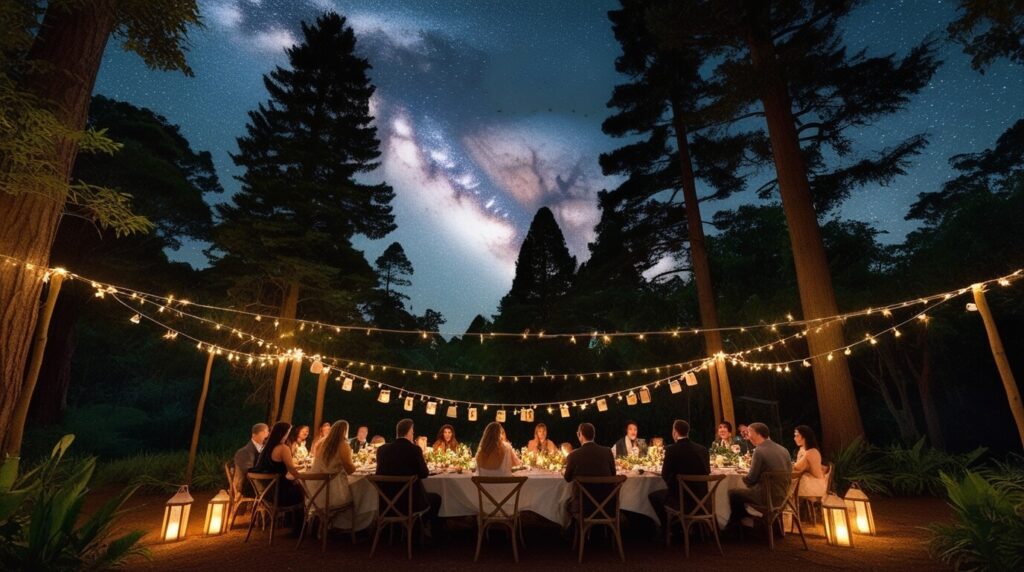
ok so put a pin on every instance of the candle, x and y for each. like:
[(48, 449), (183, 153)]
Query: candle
[(842, 534)]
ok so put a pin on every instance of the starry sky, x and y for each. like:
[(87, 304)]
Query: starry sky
[(489, 109)]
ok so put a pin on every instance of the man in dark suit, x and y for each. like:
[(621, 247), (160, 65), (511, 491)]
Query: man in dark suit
[(245, 458), (403, 458), (360, 440), (590, 460), (683, 457)]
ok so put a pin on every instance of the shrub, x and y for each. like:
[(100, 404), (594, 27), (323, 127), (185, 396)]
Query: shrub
[(164, 472), (40, 513), (916, 471), (988, 530), (862, 463)]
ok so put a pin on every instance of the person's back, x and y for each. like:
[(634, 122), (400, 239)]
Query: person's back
[(770, 456), (402, 458), (684, 457), (590, 460), (501, 469)]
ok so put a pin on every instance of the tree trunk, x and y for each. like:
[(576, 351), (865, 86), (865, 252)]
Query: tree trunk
[(194, 446), (1002, 364), (289, 311), (701, 269), (837, 403), (288, 408), (69, 48), (924, 391), (50, 398), (716, 399), (318, 409)]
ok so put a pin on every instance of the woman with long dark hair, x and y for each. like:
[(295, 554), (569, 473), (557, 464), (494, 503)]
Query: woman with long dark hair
[(297, 441), (276, 458), (446, 440), (808, 463)]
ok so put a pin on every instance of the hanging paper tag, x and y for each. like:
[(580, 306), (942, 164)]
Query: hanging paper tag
[(500, 416), (526, 415), (431, 407), (602, 405), (674, 386), (346, 384), (409, 403), (453, 411), (645, 395), (691, 379), (564, 408), (472, 413), (385, 396), (631, 398)]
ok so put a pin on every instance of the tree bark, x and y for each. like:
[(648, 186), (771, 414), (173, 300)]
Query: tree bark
[(924, 391), (50, 398), (318, 410), (289, 311), (288, 408), (194, 446), (701, 269), (69, 47), (716, 400), (1002, 364), (837, 402)]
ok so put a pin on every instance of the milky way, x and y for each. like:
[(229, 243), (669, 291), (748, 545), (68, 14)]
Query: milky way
[(488, 110)]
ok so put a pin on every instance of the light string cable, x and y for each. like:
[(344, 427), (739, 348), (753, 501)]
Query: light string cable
[(675, 332)]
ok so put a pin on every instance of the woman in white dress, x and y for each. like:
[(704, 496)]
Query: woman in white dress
[(495, 457), (335, 456), (808, 464)]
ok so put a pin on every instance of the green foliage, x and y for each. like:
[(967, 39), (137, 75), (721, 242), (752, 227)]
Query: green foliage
[(41, 522), (989, 30), (544, 272), (988, 528), (899, 470), (164, 472), (860, 462)]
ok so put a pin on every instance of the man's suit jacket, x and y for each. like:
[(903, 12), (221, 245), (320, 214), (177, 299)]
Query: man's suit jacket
[(620, 447), (403, 458), (356, 445), (684, 457), (590, 460), (245, 459)]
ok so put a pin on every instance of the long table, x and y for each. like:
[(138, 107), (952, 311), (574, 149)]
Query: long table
[(544, 493)]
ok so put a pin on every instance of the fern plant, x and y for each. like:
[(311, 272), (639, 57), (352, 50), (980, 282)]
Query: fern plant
[(862, 463), (41, 524), (988, 528), (915, 471)]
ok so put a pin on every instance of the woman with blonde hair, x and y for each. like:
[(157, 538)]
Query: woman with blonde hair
[(335, 456), (495, 457), (540, 441)]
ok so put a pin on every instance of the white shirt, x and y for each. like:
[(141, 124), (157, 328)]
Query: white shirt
[(259, 446)]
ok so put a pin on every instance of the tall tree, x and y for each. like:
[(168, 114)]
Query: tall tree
[(989, 30), (787, 58), (47, 73), (544, 272), (290, 227), (393, 266)]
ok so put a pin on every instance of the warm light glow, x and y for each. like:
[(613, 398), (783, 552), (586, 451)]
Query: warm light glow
[(176, 512), (837, 523)]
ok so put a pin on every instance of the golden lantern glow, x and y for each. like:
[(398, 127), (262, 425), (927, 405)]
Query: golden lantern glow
[(217, 514), (176, 512), (859, 507), (837, 521)]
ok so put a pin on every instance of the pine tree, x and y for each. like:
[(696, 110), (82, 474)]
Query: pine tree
[(544, 273), (393, 266), (989, 30), (786, 60), (290, 227)]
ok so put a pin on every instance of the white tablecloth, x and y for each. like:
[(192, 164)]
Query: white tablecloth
[(733, 481)]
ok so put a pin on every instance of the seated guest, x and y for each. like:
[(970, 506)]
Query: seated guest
[(402, 458), (682, 457), (629, 444), (377, 440), (726, 440), (325, 429), (446, 440), (590, 460), (276, 458), (540, 441), (297, 441), (744, 433), (421, 442), (566, 448), (808, 463), (768, 456), (495, 457), (245, 458), (335, 457), (359, 441)]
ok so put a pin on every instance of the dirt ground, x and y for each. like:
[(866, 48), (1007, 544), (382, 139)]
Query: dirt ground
[(900, 545)]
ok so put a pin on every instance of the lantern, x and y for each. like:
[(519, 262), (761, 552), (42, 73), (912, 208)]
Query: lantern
[(859, 507), (217, 514), (176, 515), (837, 522)]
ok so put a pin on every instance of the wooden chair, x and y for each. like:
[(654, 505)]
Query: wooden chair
[(496, 514), (702, 512), (318, 486), (598, 513), (392, 514), (812, 503), (238, 498), (266, 487), (770, 511)]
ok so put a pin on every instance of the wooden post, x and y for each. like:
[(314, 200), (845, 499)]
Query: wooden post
[(999, 354), (199, 420), (318, 411), (716, 402), (17, 432), (275, 407), (725, 392), (288, 408)]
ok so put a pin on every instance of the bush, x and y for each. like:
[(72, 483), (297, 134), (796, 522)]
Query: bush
[(988, 530), (41, 525), (164, 472), (861, 463), (898, 470)]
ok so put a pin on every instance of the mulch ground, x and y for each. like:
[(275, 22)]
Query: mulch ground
[(900, 545)]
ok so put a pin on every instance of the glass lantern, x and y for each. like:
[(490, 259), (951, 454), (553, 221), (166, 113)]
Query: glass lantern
[(217, 511), (176, 516), (837, 521), (859, 507)]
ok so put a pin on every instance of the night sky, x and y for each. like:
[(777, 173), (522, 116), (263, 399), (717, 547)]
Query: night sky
[(488, 110)]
